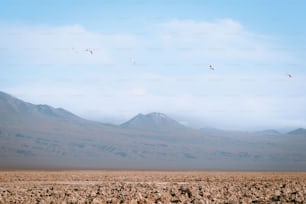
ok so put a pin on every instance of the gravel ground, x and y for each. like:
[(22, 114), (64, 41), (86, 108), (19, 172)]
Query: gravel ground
[(151, 187)]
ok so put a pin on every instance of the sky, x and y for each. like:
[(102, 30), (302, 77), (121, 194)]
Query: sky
[(154, 56)]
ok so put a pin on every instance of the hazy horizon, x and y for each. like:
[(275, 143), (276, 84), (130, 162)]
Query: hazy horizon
[(174, 117), (110, 60)]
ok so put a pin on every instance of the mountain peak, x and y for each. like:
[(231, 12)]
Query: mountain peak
[(154, 122), (157, 115)]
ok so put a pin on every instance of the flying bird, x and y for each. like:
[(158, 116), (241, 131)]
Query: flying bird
[(90, 51), (289, 75), (211, 67)]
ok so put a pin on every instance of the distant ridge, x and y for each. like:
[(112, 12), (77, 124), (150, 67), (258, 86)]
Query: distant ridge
[(153, 122), (18, 108), (299, 131), (269, 132)]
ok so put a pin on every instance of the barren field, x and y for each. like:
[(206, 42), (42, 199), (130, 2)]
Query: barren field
[(151, 187)]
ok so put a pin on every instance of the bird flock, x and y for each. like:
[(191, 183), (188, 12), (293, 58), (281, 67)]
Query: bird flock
[(133, 61)]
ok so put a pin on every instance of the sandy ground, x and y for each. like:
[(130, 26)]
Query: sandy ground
[(151, 187)]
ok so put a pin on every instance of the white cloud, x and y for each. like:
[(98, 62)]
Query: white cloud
[(222, 40)]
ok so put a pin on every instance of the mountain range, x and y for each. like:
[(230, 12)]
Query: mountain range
[(40, 136)]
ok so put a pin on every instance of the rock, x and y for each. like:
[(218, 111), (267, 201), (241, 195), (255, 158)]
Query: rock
[(275, 198), (175, 200), (172, 192)]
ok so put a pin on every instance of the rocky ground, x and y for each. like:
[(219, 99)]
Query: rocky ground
[(151, 187)]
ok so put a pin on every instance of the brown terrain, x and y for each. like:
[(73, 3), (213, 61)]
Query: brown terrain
[(151, 187)]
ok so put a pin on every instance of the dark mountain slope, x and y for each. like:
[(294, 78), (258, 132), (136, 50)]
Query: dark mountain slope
[(40, 136)]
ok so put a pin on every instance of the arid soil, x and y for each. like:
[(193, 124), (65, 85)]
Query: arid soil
[(151, 187)]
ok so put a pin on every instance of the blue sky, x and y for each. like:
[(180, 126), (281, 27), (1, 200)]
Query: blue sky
[(154, 56)]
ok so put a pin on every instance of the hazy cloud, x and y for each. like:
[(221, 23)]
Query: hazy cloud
[(165, 71)]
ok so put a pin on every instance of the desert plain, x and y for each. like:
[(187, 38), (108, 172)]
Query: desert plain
[(151, 187)]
